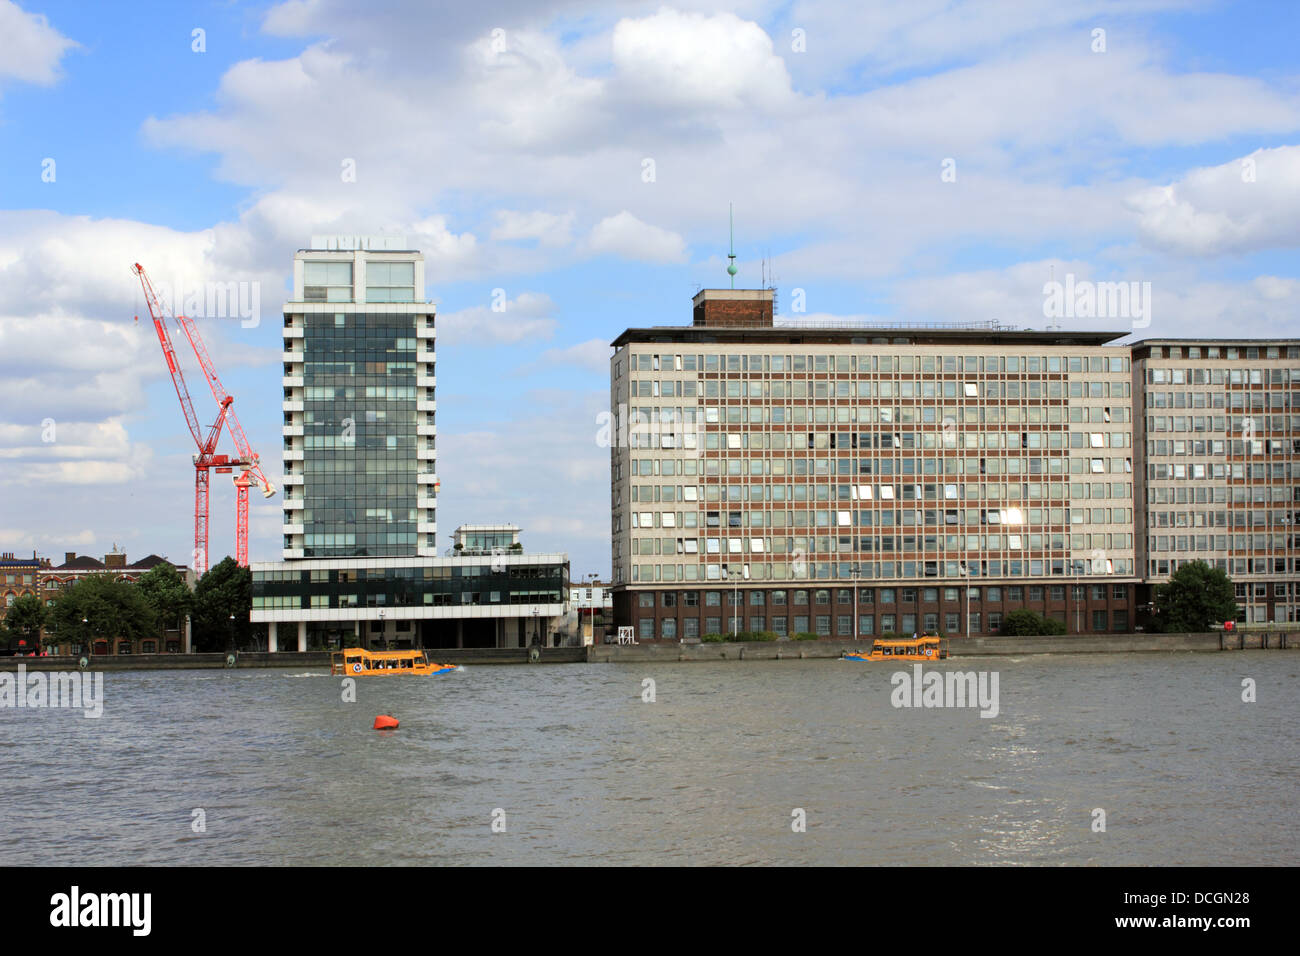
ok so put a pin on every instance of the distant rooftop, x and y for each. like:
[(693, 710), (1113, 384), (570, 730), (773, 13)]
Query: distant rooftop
[(862, 335)]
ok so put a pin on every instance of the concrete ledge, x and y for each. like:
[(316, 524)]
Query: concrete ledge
[(958, 646), (243, 659)]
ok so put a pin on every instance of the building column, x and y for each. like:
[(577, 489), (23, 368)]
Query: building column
[(302, 636), (460, 633), (272, 638)]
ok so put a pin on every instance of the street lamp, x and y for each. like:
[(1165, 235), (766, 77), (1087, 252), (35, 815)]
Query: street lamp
[(735, 600), (855, 571), (965, 572), (230, 646)]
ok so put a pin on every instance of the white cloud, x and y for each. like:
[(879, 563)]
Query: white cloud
[(1240, 206), (626, 236), (549, 229), (30, 49), (677, 59), (72, 453), (528, 316), (592, 355)]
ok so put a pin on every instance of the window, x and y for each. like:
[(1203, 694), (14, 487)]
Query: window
[(327, 282), (390, 281)]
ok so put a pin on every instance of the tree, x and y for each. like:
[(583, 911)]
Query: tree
[(1195, 597), (103, 607), (227, 589), (26, 617), (1027, 623), (166, 592)]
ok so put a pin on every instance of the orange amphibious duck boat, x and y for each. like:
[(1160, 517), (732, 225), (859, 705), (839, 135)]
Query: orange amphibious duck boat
[(358, 662), (915, 649)]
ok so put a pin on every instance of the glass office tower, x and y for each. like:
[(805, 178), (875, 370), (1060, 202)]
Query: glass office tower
[(359, 443)]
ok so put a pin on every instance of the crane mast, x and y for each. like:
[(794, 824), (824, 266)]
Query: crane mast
[(247, 461)]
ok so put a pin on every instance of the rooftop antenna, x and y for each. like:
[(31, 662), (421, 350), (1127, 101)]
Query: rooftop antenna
[(731, 267)]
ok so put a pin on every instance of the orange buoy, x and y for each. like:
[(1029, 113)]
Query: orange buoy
[(385, 722)]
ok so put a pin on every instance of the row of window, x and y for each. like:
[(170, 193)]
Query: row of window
[(877, 570), (993, 594), (1221, 542), (1233, 376), (871, 544), (821, 624), (903, 364), (1001, 391), (1215, 423), (887, 517), (948, 416)]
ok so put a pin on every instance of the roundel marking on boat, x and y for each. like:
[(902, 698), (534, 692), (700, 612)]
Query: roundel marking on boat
[(928, 651), (356, 668)]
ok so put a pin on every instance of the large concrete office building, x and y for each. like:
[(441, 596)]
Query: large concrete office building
[(1218, 476), (361, 563), (789, 468), (792, 478)]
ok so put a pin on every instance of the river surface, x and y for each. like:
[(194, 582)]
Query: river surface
[(575, 767)]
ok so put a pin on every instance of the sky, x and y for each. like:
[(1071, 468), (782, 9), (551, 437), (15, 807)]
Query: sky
[(891, 162)]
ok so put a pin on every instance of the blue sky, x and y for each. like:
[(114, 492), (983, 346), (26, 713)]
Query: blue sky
[(509, 141)]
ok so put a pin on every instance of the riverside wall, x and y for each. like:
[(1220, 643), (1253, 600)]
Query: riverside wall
[(1214, 641)]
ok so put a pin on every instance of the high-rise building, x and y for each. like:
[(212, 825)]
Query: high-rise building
[(361, 563), (359, 432), (1217, 439)]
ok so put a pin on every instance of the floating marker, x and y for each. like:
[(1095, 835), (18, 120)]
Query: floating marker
[(386, 722)]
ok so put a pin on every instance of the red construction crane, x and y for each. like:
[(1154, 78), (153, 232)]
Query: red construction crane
[(250, 471)]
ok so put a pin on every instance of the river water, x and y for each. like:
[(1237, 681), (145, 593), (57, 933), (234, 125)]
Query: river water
[(575, 767)]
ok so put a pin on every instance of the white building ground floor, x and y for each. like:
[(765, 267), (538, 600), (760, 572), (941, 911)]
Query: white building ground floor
[(467, 600)]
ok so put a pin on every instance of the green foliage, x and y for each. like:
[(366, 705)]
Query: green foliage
[(26, 616), (226, 590), (805, 636), (166, 592), (712, 639), (102, 607), (1029, 623), (742, 636), (1195, 597)]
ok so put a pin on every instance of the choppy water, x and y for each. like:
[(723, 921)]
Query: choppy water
[(586, 772)]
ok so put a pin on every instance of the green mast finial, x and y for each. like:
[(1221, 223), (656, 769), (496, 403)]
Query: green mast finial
[(731, 266)]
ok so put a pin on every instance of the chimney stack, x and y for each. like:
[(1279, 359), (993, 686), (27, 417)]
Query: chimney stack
[(734, 308)]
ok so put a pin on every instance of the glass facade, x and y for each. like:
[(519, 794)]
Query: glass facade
[(359, 435), (445, 585)]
